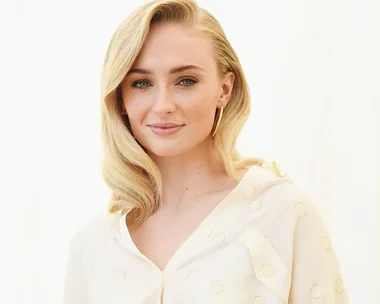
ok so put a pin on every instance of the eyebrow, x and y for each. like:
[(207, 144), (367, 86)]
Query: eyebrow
[(172, 71)]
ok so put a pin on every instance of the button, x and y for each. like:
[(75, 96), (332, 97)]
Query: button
[(301, 209), (217, 286), (267, 270), (183, 273), (255, 205), (326, 243), (316, 291), (249, 190), (207, 232), (219, 238), (258, 300), (339, 286)]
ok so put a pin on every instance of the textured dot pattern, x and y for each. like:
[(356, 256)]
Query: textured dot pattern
[(263, 244)]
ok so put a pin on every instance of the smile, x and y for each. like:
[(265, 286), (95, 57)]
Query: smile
[(165, 130)]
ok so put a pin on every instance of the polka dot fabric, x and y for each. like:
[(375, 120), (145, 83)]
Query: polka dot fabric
[(266, 243)]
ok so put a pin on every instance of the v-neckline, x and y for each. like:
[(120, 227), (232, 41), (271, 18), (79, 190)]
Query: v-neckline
[(127, 239)]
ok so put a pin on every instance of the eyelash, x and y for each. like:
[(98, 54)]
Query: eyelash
[(135, 83)]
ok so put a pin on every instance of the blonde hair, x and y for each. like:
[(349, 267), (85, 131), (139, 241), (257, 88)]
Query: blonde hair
[(134, 179)]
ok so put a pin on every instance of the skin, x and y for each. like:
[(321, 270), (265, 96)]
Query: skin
[(189, 96)]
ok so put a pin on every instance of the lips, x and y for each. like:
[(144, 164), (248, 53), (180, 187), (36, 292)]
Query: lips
[(165, 125), (165, 129)]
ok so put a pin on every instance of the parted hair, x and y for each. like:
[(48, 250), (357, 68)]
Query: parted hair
[(133, 178)]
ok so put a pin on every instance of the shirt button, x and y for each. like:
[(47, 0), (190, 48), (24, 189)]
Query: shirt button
[(267, 270), (255, 205), (258, 300), (326, 243), (301, 209), (339, 286), (183, 273), (219, 238), (316, 292), (249, 190), (217, 286)]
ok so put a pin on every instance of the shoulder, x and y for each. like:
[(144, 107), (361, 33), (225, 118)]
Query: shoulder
[(283, 202), (100, 227), (281, 206), (271, 183)]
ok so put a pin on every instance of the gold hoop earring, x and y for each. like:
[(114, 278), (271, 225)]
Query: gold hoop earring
[(220, 114)]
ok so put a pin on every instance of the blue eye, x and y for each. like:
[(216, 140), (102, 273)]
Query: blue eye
[(140, 84), (143, 84), (187, 82)]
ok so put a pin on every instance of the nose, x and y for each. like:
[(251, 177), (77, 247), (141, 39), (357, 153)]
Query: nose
[(163, 101)]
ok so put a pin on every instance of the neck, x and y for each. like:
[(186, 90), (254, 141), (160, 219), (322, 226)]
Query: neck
[(190, 175)]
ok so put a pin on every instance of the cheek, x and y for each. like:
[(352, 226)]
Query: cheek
[(203, 109), (135, 109), (202, 114)]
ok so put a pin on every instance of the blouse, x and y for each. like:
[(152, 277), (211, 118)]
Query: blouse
[(265, 242)]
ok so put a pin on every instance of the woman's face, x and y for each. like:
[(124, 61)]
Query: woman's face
[(174, 80)]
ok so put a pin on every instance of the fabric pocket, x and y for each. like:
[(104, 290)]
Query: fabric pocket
[(267, 265)]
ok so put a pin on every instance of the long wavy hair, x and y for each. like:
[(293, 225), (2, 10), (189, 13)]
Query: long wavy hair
[(133, 178)]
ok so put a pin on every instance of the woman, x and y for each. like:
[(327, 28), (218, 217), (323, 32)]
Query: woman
[(190, 221)]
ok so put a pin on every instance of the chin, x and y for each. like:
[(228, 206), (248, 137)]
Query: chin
[(167, 151), (169, 148)]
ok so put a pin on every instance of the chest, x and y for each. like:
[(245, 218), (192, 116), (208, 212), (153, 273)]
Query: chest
[(163, 235), (237, 273)]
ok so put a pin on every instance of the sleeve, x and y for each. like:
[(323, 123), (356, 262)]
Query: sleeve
[(75, 285), (316, 276)]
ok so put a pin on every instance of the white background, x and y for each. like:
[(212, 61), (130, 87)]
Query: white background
[(314, 72)]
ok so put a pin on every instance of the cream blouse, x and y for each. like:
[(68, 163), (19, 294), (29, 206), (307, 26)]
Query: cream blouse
[(264, 243)]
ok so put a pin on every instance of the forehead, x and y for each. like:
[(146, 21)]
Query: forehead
[(170, 44)]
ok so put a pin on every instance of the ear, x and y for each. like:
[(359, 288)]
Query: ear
[(226, 88)]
